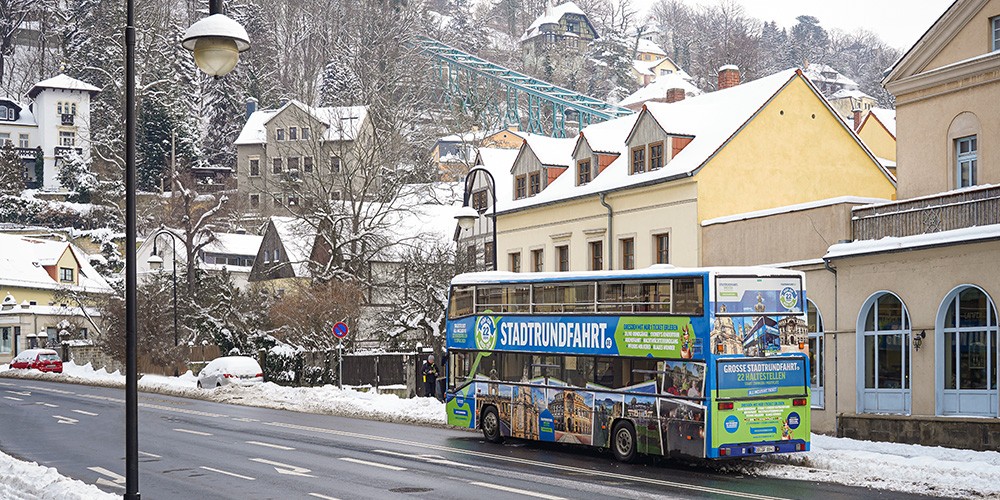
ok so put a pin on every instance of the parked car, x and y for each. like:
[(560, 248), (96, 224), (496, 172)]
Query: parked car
[(45, 360), (241, 370)]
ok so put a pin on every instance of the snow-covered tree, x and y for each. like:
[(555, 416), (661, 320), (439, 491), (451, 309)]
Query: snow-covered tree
[(11, 170), (419, 316), (76, 176)]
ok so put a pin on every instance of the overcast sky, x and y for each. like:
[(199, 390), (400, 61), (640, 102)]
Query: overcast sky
[(899, 22)]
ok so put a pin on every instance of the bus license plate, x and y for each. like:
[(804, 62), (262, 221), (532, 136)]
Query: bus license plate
[(765, 449)]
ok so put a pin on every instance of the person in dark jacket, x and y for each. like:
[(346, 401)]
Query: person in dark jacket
[(429, 371)]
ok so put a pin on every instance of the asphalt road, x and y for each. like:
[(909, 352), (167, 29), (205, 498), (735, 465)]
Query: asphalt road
[(193, 449)]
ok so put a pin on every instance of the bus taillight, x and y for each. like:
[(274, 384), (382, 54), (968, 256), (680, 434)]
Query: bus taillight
[(799, 402), (726, 405), (800, 447), (723, 452)]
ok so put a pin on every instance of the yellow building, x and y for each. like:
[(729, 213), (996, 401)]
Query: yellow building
[(44, 285), (878, 131), (637, 188)]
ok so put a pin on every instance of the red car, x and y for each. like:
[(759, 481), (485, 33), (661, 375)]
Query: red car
[(45, 360)]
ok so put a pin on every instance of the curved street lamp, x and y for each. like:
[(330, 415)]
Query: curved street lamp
[(467, 215), (212, 42), (155, 262)]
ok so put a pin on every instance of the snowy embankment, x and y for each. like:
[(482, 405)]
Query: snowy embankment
[(900, 467), (19, 479)]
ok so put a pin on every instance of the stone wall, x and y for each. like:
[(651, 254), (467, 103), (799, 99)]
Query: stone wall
[(968, 433)]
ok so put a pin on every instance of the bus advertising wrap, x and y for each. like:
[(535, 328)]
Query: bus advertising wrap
[(784, 376), (645, 336), (759, 296)]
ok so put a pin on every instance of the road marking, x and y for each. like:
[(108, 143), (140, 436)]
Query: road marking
[(606, 475), (20, 393), (57, 391), (290, 470), (196, 433), (324, 497), (65, 420), (13, 398), (269, 445), (49, 405), (5, 384), (508, 489), (248, 478), (373, 464), (182, 410), (433, 459), (149, 454), (117, 480), (245, 419), (81, 412)]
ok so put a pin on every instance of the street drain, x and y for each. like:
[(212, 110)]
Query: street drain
[(410, 490)]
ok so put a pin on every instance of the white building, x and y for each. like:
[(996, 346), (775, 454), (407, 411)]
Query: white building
[(231, 252), (57, 121)]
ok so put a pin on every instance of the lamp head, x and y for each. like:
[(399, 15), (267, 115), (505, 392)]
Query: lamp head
[(467, 217), (216, 42), (155, 262)]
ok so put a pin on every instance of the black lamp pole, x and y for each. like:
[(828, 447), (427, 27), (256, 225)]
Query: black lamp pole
[(131, 369), (173, 262), (493, 192)]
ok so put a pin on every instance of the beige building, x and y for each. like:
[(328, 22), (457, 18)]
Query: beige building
[(905, 328), (292, 158)]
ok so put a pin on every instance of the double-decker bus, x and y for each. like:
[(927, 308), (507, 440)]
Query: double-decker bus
[(698, 362)]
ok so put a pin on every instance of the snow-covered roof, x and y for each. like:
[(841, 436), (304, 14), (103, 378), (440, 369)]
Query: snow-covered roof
[(297, 237), (551, 151), (649, 47), (234, 244), (63, 82), (22, 259), (552, 15), (854, 200), (896, 243), (825, 73), (418, 227), (470, 137), (657, 89), (710, 118), (343, 122), (887, 117), (608, 137), (850, 93), (498, 162)]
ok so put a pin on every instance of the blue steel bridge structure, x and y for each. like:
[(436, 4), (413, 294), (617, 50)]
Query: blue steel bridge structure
[(502, 93)]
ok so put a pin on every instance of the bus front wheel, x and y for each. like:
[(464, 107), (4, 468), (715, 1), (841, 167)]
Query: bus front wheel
[(490, 424), (623, 441)]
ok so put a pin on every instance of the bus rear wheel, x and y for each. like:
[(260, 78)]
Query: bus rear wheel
[(623, 441), (490, 423)]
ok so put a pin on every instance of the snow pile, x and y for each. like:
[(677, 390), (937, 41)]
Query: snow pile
[(20, 479), (894, 466)]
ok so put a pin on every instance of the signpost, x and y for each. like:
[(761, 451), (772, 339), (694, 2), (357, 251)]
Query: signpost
[(340, 331)]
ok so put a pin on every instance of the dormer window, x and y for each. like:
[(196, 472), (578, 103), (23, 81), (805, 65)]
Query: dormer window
[(7, 113), (66, 274), (656, 156), (582, 172), (638, 160), (520, 187), (534, 183), (995, 30)]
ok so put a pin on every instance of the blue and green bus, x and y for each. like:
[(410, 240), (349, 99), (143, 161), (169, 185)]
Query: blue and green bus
[(698, 362)]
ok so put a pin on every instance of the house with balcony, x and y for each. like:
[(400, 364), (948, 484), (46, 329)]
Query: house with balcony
[(234, 253), (562, 27), (902, 313), (52, 127)]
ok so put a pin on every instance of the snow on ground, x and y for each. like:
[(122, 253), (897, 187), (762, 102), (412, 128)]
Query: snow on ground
[(28, 480), (901, 467)]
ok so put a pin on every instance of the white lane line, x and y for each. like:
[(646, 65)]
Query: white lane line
[(182, 410), (117, 480), (241, 476), (48, 389), (13, 398), (149, 454), (269, 445), (432, 459), (81, 412), (373, 464), (508, 489), (534, 463), (281, 468), (20, 393), (324, 497), (5, 384), (65, 420), (196, 433), (49, 405)]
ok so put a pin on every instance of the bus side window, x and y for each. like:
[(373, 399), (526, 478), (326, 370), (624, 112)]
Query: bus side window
[(688, 296), (579, 370), (461, 302), (546, 366), (642, 370), (608, 372), (458, 364), (516, 367), (489, 367)]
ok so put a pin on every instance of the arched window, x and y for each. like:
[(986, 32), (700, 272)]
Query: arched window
[(815, 322), (967, 356), (884, 355)]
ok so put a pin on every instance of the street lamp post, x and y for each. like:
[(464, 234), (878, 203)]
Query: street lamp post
[(217, 42), (468, 216), (155, 262)]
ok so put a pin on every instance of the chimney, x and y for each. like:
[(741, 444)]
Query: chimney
[(729, 76), (857, 119), (674, 95), (251, 106)]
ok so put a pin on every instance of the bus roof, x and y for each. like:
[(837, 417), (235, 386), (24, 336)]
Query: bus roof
[(655, 271)]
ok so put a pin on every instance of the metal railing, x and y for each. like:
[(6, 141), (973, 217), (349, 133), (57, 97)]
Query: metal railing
[(928, 214)]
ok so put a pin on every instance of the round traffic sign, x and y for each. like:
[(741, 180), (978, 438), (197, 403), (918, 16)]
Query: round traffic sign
[(340, 330)]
